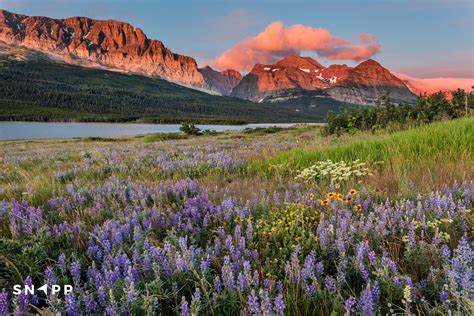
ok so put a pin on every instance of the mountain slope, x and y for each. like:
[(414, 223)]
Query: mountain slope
[(363, 84), (367, 82), (100, 43), (290, 73), (34, 87), (222, 82)]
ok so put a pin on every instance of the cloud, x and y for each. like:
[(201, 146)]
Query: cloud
[(278, 41), (431, 85)]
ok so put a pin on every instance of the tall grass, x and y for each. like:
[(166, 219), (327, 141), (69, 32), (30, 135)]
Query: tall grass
[(446, 140), (431, 150)]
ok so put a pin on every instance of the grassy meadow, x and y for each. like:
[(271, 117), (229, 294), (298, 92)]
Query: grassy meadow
[(256, 222)]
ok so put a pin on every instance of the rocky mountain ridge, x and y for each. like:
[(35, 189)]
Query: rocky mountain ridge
[(362, 84), (100, 43)]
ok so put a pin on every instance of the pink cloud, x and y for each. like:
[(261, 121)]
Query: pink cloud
[(431, 85), (278, 41), (367, 38)]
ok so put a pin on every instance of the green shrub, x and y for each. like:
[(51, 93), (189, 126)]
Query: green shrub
[(385, 113), (190, 129)]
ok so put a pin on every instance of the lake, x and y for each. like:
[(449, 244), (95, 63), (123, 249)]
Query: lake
[(38, 130)]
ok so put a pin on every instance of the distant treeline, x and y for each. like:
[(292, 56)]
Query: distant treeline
[(15, 111), (385, 113)]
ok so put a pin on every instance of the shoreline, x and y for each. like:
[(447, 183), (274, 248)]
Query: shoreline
[(26, 130), (152, 123)]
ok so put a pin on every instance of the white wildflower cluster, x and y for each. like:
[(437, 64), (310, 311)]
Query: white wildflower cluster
[(335, 172)]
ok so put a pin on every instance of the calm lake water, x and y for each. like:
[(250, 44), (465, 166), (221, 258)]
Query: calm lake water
[(35, 130)]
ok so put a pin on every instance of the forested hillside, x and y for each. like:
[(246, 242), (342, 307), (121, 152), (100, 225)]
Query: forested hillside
[(41, 90)]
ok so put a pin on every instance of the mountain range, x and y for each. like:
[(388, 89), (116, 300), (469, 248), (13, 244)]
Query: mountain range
[(118, 46), (287, 78)]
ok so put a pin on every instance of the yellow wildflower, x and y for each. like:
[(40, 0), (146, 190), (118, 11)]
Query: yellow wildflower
[(331, 195)]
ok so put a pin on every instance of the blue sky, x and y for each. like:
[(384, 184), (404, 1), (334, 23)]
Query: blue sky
[(420, 38)]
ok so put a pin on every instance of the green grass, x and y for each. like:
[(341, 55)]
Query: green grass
[(265, 130), (423, 157), (446, 140), (163, 137)]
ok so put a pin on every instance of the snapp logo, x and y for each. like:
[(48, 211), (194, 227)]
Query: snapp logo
[(46, 289)]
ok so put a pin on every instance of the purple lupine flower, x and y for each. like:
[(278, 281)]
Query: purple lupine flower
[(375, 292), (461, 265), (310, 289), (184, 307), (319, 268), (197, 296), (76, 271), (205, 265), (308, 266), (279, 285), (136, 233), (49, 276), (389, 263), (396, 281), (372, 256), (256, 278), (4, 303), (76, 230), (72, 306), (130, 292), (227, 274), (217, 284), (241, 282), (89, 304), (330, 284), (25, 297), (266, 283), (349, 304), (101, 296), (445, 252), (341, 246), (279, 305), (366, 203), (276, 198), (443, 296), (111, 309), (366, 303), (62, 262), (252, 300), (249, 231)]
